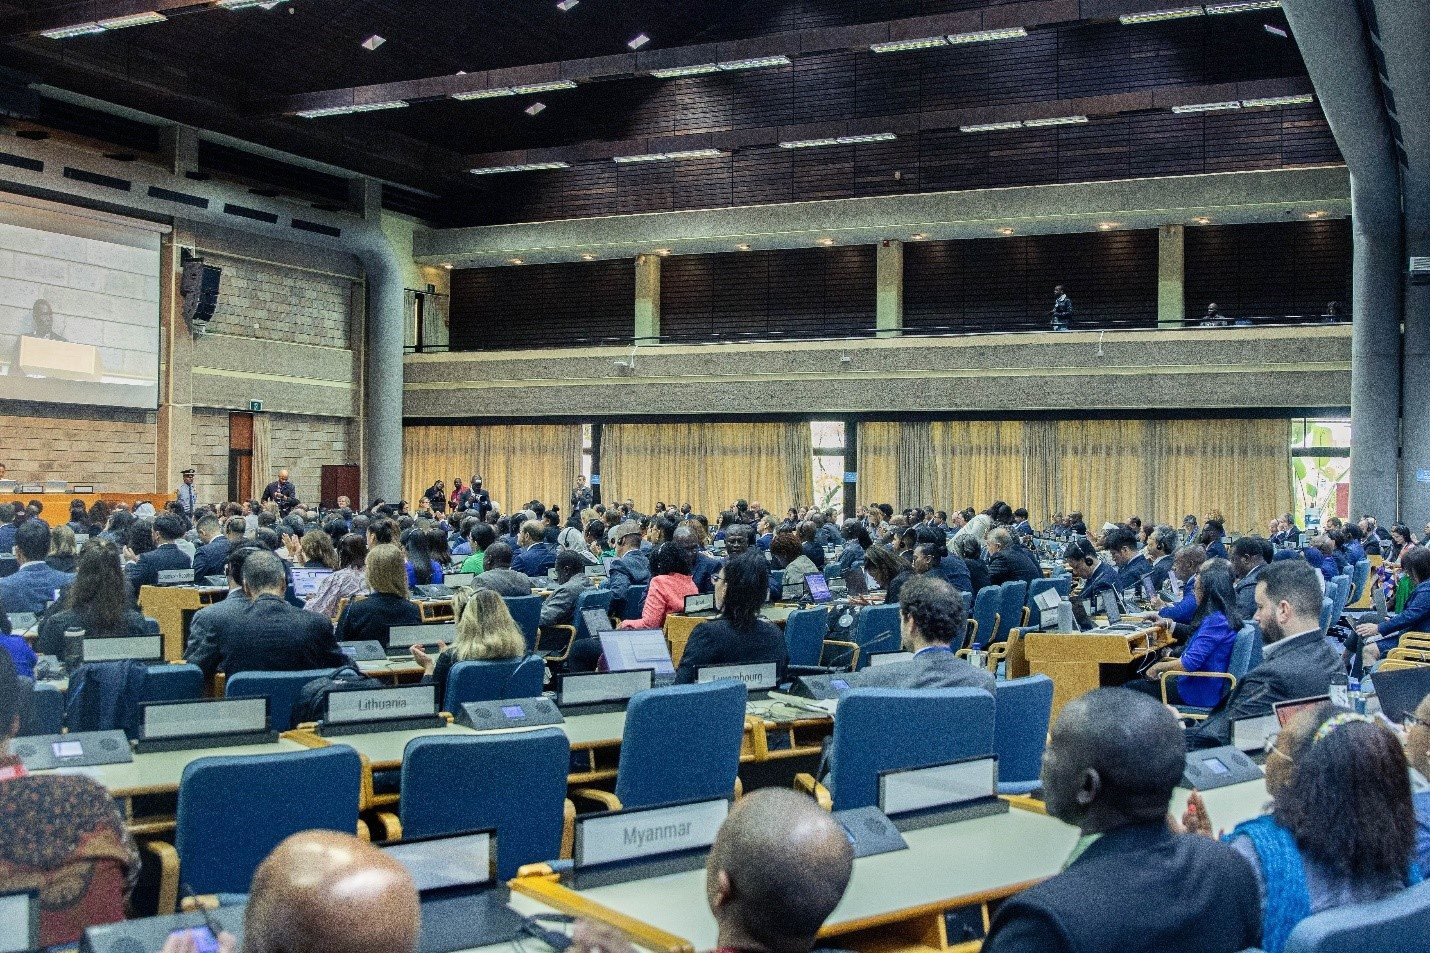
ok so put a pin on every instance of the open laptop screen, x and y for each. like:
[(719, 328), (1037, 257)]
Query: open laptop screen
[(307, 581), (818, 587)]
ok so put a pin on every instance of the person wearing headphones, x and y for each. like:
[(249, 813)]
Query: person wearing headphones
[(1097, 578)]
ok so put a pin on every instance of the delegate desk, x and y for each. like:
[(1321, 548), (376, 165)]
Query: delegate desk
[(173, 607), (679, 626), (53, 503), (1227, 806), (1079, 662), (895, 901)]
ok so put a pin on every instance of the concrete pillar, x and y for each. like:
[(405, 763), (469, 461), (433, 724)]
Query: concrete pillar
[(175, 420), (1171, 275), (179, 146), (889, 289), (384, 340), (647, 325)]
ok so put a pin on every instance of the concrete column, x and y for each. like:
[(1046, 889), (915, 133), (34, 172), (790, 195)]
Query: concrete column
[(174, 447), (1171, 275), (647, 325), (1376, 368), (889, 289), (180, 148), (384, 341)]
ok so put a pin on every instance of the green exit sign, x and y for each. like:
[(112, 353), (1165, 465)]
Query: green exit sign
[(255, 405)]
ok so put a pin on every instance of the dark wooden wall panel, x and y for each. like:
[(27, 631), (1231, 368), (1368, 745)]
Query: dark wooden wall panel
[(1274, 269), (798, 293), (541, 306), (1005, 284)]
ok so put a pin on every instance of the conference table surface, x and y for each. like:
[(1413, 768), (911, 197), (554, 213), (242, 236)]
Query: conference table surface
[(1228, 806), (159, 772), (962, 862)]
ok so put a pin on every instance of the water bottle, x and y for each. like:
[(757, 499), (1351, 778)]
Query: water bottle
[(1340, 690), (74, 646), (1066, 621), (1355, 696)]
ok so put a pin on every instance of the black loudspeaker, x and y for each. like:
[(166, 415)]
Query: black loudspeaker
[(199, 288)]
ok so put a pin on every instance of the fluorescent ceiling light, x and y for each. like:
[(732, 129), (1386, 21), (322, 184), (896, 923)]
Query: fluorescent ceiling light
[(347, 110), (534, 109), (871, 137), (987, 36), (638, 41), (249, 4), (1245, 7), (755, 62), (1054, 121), (808, 143), (134, 19), (1206, 107), (1275, 30), (840, 141), (523, 167), (552, 86), (669, 156), (484, 93), (991, 126), (565, 5), (1153, 16), (674, 72), (1302, 99), (79, 29), (900, 46)]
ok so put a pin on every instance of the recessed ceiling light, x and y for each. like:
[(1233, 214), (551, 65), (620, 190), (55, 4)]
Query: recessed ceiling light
[(1107, 226), (1207, 107), (373, 42), (918, 238), (523, 167), (249, 4), (552, 86), (447, 265), (742, 247), (565, 5), (1153, 16), (676, 72), (638, 42), (1316, 214), (826, 242), (1202, 220), (988, 36), (517, 261), (1299, 99), (588, 257), (134, 19), (534, 109), (324, 111), (1005, 231), (662, 252), (992, 126), (79, 29), (901, 46)]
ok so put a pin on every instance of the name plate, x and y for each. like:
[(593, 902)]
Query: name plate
[(634, 835), (142, 648), (406, 636), (411, 701), (439, 863), (175, 577), (81, 749), (604, 686), (455, 579), (1251, 734), (19, 921), (364, 651), (22, 622), (510, 713), (218, 716), (81, 488), (940, 785), (31, 488), (758, 677), (869, 831), (81, 538)]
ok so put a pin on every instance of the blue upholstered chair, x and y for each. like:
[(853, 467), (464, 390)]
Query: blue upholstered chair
[(281, 689), (526, 612), (1022, 709), (985, 614), (1359, 575), (1012, 595), (233, 810), (173, 683), (876, 630), (681, 743), (1063, 585), (809, 649), (558, 649), (1328, 606), (485, 681), (635, 602), (883, 729), (46, 715), (520, 791), (1245, 655), (1385, 926)]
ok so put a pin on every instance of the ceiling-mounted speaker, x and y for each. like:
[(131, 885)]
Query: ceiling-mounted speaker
[(199, 290)]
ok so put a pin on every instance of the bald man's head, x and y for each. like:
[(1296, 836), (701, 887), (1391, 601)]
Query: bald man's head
[(323, 892), (776, 872), (1113, 759)]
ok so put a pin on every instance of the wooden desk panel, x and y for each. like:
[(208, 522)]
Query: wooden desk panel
[(173, 607), (55, 504), (1079, 662)]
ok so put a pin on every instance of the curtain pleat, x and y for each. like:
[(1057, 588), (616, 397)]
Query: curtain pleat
[(259, 462), (517, 462), (709, 466), (878, 478)]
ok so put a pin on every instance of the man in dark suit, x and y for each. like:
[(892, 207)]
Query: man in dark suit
[(1296, 662), (1009, 560), (212, 554), (1161, 546), (270, 635), (32, 587), (145, 570), (1249, 556), (631, 566), (932, 622), (282, 492), (535, 557), (202, 649), (1121, 545), (1110, 767)]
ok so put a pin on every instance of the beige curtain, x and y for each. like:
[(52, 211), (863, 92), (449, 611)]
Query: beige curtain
[(1106, 469), (517, 462), (259, 463), (707, 465)]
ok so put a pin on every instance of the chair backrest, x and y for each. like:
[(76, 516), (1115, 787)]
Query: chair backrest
[(1343, 596), (881, 729), (1063, 585), (1245, 651), (1012, 596), (281, 689), (234, 810), (592, 598), (526, 612), (876, 630), (46, 714), (1359, 575), (173, 683), (1022, 709), (520, 791), (151, 626), (635, 601), (681, 743), (1384, 926), (985, 607), (1328, 606), (486, 681), (805, 630)]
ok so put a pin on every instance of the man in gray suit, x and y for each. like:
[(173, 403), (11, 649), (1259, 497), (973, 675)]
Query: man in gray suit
[(1297, 662), (560, 607), (932, 621), (498, 575)]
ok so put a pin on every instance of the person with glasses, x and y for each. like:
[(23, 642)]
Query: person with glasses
[(739, 636)]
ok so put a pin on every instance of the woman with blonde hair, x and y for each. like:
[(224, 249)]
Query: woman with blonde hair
[(318, 552), (371, 618), (62, 549), (485, 632)]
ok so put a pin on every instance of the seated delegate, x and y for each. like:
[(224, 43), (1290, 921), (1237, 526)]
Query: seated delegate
[(932, 622), (97, 602), (485, 632), (371, 618), (669, 585), (739, 636), (1217, 622)]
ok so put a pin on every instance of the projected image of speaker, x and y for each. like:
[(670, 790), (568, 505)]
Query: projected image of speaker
[(199, 289)]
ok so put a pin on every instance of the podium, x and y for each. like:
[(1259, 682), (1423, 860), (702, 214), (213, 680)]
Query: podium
[(50, 358), (1079, 662)]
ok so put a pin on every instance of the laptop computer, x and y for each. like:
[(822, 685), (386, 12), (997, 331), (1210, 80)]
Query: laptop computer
[(699, 602), (1401, 692), (626, 650), (307, 581), (597, 621), (401, 638), (793, 592), (818, 588), (1287, 710)]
